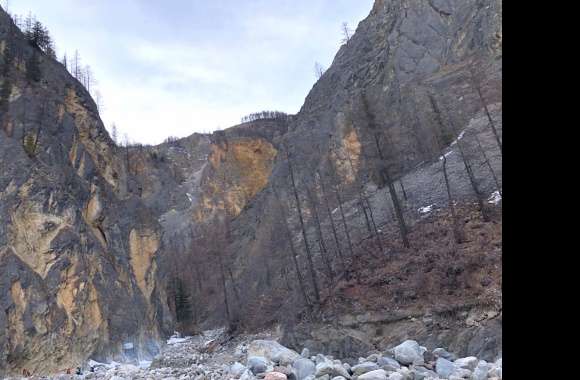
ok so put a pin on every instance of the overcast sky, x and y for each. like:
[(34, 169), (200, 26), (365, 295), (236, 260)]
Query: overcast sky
[(175, 67)]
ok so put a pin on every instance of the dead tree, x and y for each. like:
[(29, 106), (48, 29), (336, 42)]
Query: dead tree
[(457, 231), (331, 220), (403, 190), (323, 249), (477, 85), (488, 163), (346, 32), (467, 164), (386, 178), (225, 289), (318, 70), (343, 218), (383, 172), (288, 233), (313, 276), (365, 205), (220, 245)]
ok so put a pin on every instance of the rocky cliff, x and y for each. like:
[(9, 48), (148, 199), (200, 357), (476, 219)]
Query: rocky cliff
[(93, 236)]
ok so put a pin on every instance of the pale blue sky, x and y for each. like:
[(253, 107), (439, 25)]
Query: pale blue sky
[(174, 67)]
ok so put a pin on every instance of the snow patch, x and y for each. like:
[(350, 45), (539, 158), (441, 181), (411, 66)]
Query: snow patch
[(458, 138), (446, 155), (426, 209), (176, 340), (495, 198), (144, 364)]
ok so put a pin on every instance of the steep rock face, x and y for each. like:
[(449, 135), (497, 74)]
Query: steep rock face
[(87, 228), (406, 72), (67, 247)]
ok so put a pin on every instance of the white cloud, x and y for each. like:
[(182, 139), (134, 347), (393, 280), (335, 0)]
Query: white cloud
[(195, 66)]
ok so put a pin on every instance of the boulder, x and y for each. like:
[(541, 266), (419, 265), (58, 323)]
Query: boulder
[(365, 367), (331, 369), (422, 373), (406, 373), (480, 372), (442, 353), (247, 375), (273, 351), (237, 369), (285, 370), (467, 363), (257, 364), (444, 367), (275, 376), (409, 352), (379, 374), (303, 368), (495, 372), (388, 364), (462, 373)]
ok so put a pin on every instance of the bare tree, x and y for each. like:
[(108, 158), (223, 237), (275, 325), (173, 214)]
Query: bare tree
[(64, 61), (303, 229), (99, 101), (318, 70), (466, 162), (331, 219), (457, 231), (476, 83), (364, 202), (88, 79), (321, 242), (346, 32), (288, 233), (76, 65), (488, 163), (383, 170), (403, 190), (115, 133)]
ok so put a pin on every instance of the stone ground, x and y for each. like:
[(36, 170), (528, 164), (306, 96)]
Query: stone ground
[(215, 355)]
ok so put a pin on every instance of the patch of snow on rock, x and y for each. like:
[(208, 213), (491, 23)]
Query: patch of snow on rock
[(426, 209), (495, 198)]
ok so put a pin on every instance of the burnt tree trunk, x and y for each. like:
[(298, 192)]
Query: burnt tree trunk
[(313, 277), (477, 85), (288, 233), (488, 163), (384, 172)]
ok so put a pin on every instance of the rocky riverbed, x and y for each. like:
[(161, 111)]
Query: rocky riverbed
[(214, 355)]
